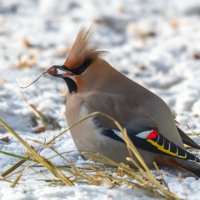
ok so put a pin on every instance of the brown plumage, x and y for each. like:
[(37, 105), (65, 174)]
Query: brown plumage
[(81, 49), (94, 85)]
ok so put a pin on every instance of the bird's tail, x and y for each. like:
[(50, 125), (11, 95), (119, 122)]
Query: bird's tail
[(190, 166)]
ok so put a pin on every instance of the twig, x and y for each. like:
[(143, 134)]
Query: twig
[(24, 87)]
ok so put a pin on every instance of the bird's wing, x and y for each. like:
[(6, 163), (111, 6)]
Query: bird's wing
[(187, 140), (152, 141), (118, 107), (141, 128), (135, 120)]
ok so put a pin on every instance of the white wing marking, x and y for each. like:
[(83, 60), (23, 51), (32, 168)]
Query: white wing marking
[(144, 134), (118, 133)]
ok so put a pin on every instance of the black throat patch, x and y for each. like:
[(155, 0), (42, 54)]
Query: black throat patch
[(70, 84)]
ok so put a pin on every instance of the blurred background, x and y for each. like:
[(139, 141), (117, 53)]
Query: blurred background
[(154, 42)]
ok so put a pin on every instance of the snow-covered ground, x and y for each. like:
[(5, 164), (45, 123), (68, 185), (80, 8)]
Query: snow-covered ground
[(156, 43)]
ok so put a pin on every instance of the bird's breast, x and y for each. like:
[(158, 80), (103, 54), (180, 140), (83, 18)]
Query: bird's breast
[(86, 134)]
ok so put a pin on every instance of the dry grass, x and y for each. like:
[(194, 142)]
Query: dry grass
[(94, 174), (39, 120)]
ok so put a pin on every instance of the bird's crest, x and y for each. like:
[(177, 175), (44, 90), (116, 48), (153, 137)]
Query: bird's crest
[(82, 49)]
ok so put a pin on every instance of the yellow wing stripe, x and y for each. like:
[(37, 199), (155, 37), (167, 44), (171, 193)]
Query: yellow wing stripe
[(161, 148)]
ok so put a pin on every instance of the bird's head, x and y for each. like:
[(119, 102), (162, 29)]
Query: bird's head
[(82, 56)]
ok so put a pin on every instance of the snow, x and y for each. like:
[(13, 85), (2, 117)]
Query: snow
[(152, 42)]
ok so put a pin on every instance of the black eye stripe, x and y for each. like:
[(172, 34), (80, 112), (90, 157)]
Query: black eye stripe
[(79, 70)]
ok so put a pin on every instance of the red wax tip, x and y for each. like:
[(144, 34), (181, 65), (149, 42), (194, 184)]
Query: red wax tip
[(152, 135)]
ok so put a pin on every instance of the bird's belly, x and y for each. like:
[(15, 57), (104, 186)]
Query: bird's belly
[(87, 137), (92, 141)]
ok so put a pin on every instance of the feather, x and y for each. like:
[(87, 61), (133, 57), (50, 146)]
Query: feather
[(187, 140), (186, 166), (82, 49)]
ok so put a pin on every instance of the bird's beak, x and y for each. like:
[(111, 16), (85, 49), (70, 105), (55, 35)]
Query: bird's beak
[(66, 76), (55, 71)]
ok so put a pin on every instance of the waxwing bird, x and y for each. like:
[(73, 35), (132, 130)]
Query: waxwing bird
[(94, 85)]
